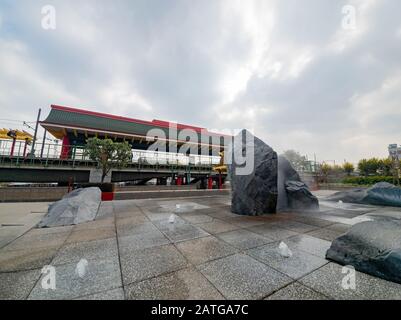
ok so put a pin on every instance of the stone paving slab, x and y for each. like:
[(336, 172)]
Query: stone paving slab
[(272, 232), (186, 284), (154, 217), (325, 234), (241, 277), (39, 238), (328, 281), (28, 259), (296, 291), (91, 234), (244, 221), (180, 230), (139, 265), (128, 214), (312, 221), (25, 215), (106, 210), (113, 294), (17, 285), (340, 227), (90, 250), (181, 206), (296, 266), (312, 245), (96, 224), (295, 226), (244, 239), (10, 233), (218, 226), (130, 229), (205, 249), (101, 275), (197, 218), (138, 233), (125, 224), (142, 241)]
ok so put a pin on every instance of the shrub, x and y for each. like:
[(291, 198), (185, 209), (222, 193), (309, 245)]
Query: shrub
[(367, 181)]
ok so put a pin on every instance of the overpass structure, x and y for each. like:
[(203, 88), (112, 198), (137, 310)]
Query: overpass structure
[(183, 160)]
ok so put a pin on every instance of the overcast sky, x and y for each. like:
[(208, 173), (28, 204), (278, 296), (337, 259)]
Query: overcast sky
[(287, 69)]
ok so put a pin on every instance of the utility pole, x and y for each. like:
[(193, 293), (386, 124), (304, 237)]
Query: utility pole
[(43, 144), (35, 134)]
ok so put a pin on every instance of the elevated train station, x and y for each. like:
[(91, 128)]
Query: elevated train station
[(189, 153)]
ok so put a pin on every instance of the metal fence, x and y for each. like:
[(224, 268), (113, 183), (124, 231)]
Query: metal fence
[(20, 151)]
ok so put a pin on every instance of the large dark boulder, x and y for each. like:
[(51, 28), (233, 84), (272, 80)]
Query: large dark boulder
[(381, 194), (254, 192), (293, 194), (373, 247)]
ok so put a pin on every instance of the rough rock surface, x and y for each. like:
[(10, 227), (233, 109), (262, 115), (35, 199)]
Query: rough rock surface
[(381, 194), (254, 193), (373, 247), (299, 196), (293, 194), (80, 205)]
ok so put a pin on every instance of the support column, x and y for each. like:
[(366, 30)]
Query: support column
[(12, 147), (65, 149), (210, 183)]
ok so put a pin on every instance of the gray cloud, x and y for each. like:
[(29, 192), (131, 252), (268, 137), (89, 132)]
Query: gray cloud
[(283, 68)]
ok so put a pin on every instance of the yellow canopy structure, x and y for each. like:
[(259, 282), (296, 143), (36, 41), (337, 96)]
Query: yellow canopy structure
[(19, 135)]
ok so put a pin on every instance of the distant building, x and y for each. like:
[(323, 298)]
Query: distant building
[(394, 151)]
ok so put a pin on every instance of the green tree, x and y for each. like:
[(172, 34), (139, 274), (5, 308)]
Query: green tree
[(298, 161), (348, 168), (369, 166), (325, 170), (386, 167), (108, 154)]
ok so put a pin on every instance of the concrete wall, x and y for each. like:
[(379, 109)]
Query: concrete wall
[(37, 194), (128, 195), (50, 194)]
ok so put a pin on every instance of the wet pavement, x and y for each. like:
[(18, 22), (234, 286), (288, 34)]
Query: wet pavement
[(185, 248)]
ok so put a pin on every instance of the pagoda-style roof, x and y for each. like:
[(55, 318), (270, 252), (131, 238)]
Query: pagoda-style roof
[(19, 134), (66, 119)]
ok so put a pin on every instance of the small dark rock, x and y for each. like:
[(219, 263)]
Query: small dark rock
[(299, 196), (293, 194)]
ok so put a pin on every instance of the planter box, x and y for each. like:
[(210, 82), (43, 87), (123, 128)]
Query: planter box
[(107, 196), (106, 188)]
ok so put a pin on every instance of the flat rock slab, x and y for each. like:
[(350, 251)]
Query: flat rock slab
[(81, 205), (380, 194), (373, 247)]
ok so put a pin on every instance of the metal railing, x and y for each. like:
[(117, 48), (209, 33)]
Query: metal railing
[(21, 153)]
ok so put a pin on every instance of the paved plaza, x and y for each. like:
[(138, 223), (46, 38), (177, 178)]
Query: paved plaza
[(135, 249)]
